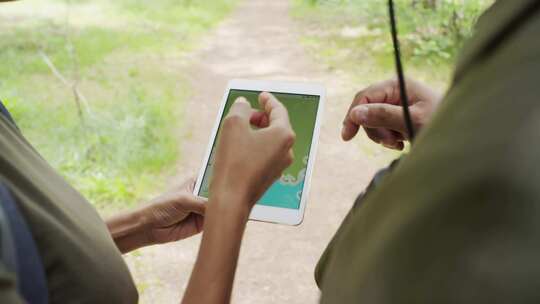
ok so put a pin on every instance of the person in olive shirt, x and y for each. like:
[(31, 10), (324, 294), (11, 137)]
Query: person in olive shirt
[(457, 220)]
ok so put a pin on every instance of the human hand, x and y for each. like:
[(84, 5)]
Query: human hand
[(249, 160), (378, 110), (174, 215)]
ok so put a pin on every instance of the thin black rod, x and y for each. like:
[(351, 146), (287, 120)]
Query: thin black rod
[(399, 68)]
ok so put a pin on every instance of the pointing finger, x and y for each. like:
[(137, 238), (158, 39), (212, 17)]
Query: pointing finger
[(241, 108), (275, 110), (378, 115), (382, 92)]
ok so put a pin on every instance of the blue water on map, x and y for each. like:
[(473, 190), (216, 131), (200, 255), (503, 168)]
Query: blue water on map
[(285, 192)]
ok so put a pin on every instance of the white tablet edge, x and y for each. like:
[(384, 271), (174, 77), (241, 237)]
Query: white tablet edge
[(261, 212)]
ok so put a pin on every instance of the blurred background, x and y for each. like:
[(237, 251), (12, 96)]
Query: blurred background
[(120, 97)]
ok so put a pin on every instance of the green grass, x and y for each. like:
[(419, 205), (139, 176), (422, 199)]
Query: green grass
[(127, 58)]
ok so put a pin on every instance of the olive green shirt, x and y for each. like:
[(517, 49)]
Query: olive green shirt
[(458, 219), (80, 259)]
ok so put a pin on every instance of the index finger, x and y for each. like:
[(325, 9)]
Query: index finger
[(241, 108), (349, 127), (276, 111), (382, 92)]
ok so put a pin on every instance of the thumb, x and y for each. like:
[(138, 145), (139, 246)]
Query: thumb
[(379, 115), (191, 203)]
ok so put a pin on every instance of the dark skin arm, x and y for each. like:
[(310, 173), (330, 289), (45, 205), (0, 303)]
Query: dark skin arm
[(173, 216)]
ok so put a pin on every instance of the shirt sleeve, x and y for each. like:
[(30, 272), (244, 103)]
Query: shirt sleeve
[(326, 256)]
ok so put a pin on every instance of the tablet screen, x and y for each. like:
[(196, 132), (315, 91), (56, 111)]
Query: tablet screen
[(287, 191)]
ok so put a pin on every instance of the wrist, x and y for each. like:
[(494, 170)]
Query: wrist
[(234, 205), (129, 230)]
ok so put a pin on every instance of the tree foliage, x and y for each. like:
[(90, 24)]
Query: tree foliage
[(430, 30)]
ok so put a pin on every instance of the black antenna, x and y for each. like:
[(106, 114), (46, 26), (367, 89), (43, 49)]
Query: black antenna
[(399, 68)]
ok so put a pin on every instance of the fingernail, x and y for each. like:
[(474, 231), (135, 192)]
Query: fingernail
[(387, 145), (343, 131), (241, 99), (265, 95), (361, 113), (390, 145)]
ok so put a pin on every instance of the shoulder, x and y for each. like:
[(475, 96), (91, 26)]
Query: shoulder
[(496, 28)]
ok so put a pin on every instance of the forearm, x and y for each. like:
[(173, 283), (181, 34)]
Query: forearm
[(213, 275), (127, 231)]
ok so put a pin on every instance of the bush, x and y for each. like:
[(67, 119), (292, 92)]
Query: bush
[(430, 31), (437, 33)]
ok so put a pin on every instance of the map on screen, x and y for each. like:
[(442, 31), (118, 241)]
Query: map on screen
[(287, 191)]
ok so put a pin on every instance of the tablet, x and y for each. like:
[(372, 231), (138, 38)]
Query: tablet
[(285, 201)]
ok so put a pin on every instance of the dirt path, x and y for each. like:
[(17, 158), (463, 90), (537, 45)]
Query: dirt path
[(258, 41)]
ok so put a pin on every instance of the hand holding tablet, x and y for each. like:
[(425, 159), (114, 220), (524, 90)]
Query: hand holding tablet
[(284, 201)]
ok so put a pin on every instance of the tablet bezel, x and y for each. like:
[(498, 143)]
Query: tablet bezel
[(261, 212)]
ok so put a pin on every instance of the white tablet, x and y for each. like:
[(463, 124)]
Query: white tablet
[(285, 201)]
